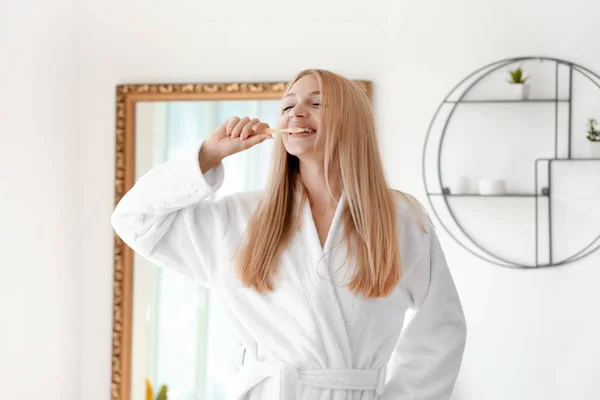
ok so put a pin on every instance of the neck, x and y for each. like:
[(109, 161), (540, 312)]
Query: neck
[(312, 175)]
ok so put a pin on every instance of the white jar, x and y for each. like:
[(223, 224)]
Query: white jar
[(594, 149), (520, 91), (491, 186), (462, 186)]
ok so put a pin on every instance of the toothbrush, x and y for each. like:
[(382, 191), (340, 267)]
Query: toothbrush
[(274, 131)]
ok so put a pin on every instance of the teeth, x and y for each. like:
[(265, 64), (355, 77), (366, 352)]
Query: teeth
[(301, 130)]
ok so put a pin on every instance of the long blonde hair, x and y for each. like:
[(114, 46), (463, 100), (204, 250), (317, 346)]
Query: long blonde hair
[(347, 131)]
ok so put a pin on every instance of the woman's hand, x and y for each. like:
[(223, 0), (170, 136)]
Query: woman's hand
[(232, 136)]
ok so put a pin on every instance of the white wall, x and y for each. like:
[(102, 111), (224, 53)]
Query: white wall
[(532, 334), (38, 201)]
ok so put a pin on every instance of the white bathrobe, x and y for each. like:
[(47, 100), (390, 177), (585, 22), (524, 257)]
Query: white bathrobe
[(311, 338)]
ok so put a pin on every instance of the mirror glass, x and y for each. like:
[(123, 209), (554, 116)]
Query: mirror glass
[(180, 338)]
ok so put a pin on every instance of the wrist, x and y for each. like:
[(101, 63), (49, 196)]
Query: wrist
[(208, 159)]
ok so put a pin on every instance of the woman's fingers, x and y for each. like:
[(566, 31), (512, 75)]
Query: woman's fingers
[(231, 123), (255, 139), (247, 130), (260, 126), (236, 127), (237, 130)]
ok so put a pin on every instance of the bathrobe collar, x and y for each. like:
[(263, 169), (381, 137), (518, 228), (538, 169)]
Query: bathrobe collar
[(322, 294)]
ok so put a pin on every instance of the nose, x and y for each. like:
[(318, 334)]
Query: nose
[(297, 112)]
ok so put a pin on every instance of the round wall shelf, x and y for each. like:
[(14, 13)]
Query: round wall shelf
[(535, 146)]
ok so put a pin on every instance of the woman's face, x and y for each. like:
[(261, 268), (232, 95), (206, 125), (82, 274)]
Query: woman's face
[(301, 107)]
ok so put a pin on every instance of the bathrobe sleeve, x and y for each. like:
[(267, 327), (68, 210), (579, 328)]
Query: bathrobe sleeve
[(166, 218), (428, 354)]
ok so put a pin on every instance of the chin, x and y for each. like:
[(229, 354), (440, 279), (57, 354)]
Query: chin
[(300, 150), (307, 155)]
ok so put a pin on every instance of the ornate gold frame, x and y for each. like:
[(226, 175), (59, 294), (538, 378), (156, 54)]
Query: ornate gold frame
[(127, 96)]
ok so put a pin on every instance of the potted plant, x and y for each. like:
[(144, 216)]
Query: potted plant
[(518, 84), (162, 394), (593, 135)]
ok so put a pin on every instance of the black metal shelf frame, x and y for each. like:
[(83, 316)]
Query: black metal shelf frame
[(500, 101), (546, 192)]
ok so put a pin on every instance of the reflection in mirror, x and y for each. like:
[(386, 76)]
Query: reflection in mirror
[(180, 338)]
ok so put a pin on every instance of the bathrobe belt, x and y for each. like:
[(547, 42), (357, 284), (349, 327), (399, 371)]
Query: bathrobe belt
[(289, 377)]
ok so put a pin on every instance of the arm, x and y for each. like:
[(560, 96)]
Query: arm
[(428, 355), (166, 218)]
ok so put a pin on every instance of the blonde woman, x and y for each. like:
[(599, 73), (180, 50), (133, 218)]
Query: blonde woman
[(337, 285)]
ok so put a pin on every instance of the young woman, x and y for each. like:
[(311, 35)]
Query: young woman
[(337, 285)]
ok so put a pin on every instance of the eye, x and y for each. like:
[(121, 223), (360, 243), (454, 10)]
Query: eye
[(288, 107)]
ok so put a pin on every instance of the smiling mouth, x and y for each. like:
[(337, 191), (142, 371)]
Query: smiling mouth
[(302, 131)]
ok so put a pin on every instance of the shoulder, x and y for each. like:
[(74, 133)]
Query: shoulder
[(410, 212), (414, 227)]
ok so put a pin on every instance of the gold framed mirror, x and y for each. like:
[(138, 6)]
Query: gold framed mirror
[(153, 121)]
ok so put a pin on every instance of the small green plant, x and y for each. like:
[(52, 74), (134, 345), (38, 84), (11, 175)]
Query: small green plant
[(516, 77), (593, 133), (162, 395)]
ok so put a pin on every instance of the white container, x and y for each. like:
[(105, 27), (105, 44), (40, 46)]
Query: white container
[(462, 186), (595, 149), (488, 187), (520, 91)]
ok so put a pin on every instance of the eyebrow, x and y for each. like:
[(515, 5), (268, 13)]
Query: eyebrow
[(310, 94)]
